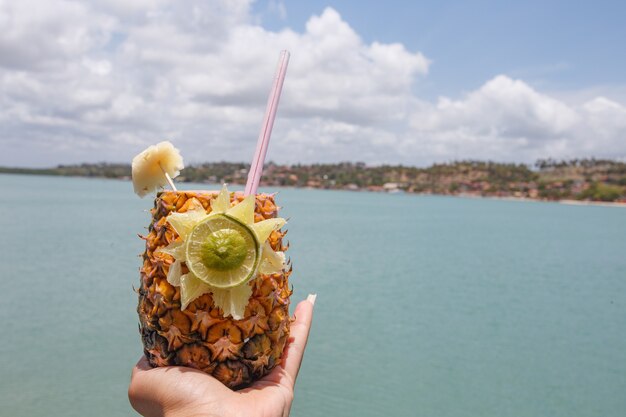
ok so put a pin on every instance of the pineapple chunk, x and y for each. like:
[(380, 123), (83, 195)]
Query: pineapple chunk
[(151, 165)]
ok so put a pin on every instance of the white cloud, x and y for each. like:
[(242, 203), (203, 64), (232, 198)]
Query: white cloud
[(505, 108), (98, 81), (47, 35), (506, 119)]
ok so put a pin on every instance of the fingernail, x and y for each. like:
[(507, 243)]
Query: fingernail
[(311, 298)]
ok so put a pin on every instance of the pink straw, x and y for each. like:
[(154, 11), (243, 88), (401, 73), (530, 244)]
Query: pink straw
[(256, 168)]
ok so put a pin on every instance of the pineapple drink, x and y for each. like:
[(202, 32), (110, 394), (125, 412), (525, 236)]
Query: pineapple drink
[(214, 288), (214, 291)]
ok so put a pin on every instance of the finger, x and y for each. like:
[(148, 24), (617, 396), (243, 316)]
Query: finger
[(299, 334)]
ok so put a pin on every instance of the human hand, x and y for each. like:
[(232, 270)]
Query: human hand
[(176, 391)]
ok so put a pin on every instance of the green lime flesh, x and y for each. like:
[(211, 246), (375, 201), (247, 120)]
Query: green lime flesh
[(222, 251)]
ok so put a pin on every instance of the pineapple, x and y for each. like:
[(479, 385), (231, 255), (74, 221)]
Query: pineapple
[(194, 327)]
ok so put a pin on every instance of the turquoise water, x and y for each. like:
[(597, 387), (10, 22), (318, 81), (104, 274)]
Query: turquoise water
[(427, 306)]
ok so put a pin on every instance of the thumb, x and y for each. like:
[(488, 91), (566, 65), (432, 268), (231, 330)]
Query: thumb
[(299, 335)]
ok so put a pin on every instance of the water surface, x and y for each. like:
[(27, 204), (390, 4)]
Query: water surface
[(427, 306)]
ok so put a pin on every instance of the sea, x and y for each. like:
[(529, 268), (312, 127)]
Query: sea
[(426, 305)]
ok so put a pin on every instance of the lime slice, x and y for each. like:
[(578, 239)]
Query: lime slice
[(222, 251)]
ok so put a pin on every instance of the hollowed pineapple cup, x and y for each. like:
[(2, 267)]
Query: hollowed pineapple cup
[(236, 352)]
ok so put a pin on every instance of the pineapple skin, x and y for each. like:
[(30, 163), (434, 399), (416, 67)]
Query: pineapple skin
[(236, 352)]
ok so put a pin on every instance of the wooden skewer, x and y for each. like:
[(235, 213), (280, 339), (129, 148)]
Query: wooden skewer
[(168, 178)]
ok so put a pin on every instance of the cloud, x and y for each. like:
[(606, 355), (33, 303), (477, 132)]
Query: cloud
[(506, 119), (99, 81), (47, 35)]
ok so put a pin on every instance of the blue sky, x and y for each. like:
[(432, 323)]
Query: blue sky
[(381, 82), (554, 45)]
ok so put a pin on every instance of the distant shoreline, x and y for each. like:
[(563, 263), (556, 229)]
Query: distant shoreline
[(570, 202), (539, 200), (593, 203)]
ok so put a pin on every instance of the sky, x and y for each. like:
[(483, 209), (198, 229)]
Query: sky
[(391, 82)]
